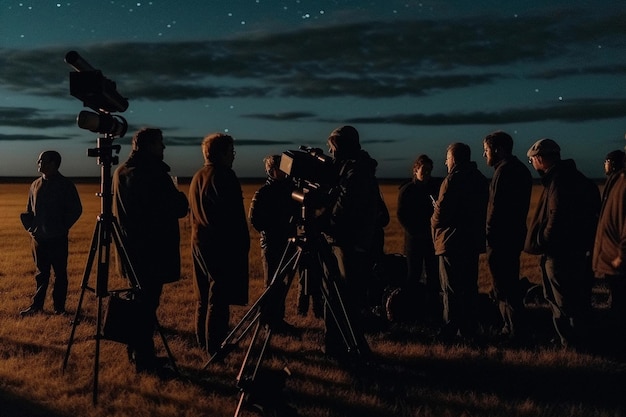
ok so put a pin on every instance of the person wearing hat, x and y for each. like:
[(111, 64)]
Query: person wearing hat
[(562, 231), (609, 251), (148, 205), (220, 241)]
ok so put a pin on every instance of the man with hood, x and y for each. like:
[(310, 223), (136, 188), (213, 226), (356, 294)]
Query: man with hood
[(355, 222), (458, 224), (148, 206), (562, 231), (220, 241)]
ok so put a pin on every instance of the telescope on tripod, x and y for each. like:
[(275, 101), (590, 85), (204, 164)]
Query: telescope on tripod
[(100, 94), (310, 254)]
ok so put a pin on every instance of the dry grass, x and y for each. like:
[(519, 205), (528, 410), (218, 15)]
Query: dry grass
[(412, 375)]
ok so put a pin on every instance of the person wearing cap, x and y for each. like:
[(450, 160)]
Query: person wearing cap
[(562, 231), (354, 223), (220, 241), (609, 251), (509, 199), (148, 205), (458, 227), (52, 209)]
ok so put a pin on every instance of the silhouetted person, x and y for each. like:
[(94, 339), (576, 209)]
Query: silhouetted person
[(52, 209), (275, 214), (148, 206), (415, 208), (562, 231), (613, 166), (458, 224), (354, 227), (609, 252), (220, 241), (509, 200)]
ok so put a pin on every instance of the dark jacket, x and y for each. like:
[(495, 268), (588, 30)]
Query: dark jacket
[(52, 209), (274, 213), (357, 215), (219, 228), (509, 200), (566, 217), (148, 206), (415, 208), (458, 220), (610, 240)]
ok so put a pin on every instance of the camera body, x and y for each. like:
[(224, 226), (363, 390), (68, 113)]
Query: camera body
[(313, 173)]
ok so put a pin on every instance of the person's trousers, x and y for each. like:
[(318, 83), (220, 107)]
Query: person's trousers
[(50, 254)]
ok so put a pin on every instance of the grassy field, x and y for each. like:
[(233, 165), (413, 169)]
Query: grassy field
[(411, 375)]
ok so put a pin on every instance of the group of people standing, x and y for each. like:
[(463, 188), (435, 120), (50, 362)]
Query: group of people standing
[(447, 224), (577, 234)]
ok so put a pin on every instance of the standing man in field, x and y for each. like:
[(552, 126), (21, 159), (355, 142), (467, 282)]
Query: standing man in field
[(220, 241), (509, 200), (609, 251), (458, 224), (52, 209), (415, 208), (562, 231), (148, 206)]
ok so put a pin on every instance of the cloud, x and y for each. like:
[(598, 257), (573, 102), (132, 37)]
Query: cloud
[(573, 111), (376, 59), (33, 118), (22, 137)]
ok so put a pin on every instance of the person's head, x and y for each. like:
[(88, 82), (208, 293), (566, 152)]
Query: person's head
[(497, 146), (456, 154), (272, 167), (422, 168), (48, 163), (343, 143), (614, 161), (543, 155), (219, 149), (149, 140)]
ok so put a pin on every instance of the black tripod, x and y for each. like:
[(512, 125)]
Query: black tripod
[(107, 229), (312, 255)]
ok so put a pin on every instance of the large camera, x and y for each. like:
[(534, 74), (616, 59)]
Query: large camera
[(312, 171), (98, 93)]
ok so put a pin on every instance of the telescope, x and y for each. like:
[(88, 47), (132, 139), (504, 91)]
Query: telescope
[(100, 94)]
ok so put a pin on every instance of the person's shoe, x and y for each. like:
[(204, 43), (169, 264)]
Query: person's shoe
[(30, 311), (60, 312)]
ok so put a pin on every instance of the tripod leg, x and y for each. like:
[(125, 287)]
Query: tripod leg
[(84, 285), (247, 384), (167, 348), (278, 287), (339, 310)]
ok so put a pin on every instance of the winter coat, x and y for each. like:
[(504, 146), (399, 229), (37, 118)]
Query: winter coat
[(357, 215), (610, 240), (566, 217), (458, 221), (148, 206), (219, 228), (509, 200)]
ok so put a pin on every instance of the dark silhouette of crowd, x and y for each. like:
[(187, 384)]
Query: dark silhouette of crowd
[(577, 234)]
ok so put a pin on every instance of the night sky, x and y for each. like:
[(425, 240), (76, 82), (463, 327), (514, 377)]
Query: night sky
[(411, 76)]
